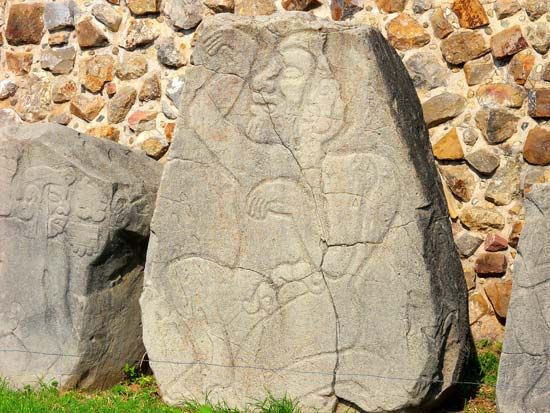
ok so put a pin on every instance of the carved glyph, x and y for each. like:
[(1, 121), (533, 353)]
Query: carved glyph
[(288, 210), (524, 374), (65, 239)]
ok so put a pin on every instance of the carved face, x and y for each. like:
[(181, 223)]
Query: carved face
[(29, 203), (58, 209), (282, 83)]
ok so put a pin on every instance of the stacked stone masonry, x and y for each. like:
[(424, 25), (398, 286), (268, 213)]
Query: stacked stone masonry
[(114, 69)]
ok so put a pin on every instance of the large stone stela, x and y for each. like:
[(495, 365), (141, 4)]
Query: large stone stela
[(300, 241)]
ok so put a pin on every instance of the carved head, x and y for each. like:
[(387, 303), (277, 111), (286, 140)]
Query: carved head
[(298, 92), (45, 193)]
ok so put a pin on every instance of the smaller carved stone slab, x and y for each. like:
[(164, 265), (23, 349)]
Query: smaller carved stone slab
[(524, 375), (74, 223)]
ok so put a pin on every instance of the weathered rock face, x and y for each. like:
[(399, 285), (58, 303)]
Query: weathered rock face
[(74, 221), (251, 261), (524, 373)]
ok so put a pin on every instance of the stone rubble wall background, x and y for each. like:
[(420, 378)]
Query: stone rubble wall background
[(114, 69)]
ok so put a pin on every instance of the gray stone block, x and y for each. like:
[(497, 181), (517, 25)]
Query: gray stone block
[(74, 223), (300, 242), (524, 374)]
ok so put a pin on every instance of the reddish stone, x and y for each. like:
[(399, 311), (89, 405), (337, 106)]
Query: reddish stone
[(471, 13), (495, 242), (19, 62), (110, 89), (520, 66), (508, 42), (441, 26), (539, 103), (25, 24), (499, 292), (142, 120), (501, 94), (536, 150), (391, 6), (491, 264)]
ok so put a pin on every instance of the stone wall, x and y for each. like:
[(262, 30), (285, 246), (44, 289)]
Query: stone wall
[(482, 71)]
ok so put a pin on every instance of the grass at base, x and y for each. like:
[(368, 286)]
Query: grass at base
[(139, 394)]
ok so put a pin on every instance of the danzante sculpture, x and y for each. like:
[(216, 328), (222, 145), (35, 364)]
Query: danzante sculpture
[(74, 223), (300, 242)]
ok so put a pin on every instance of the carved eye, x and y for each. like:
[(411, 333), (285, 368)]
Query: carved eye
[(292, 73)]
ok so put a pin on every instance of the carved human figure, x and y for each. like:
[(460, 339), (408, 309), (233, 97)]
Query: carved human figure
[(288, 225)]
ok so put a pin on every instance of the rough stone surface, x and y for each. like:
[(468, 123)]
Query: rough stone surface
[(105, 132), (63, 90), (535, 9), (499, 293), (495, 242), (495, 95), (478, 218), (254, 7), (131, 66), (505, 184), (404, 33), (470, 13), (478, 71), (536, 150), (539, 103), (483, 160), (463, 46), (171, 53), (150, 89), (460, 179), (139, 32), (34, 99), (506, 8), (140, 7), (120, 104), (467, 243), (524, 375), (19, 62), (25, 24), (228, 6), (58, 16), (497, 125), (96, 71), (184, 14), (448, 148), (59, 60), (538, 36), (426, 71), (58, 39), (521, 65), (7, 89), (69, 202), (491, 264), (251, 262), (298, 5), (441, 26), (508, 42), (86, 106), (391, 6), (108, 16), (442, 108), (89, 34)]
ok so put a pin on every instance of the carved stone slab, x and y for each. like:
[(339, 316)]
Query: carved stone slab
[(74, 222), (524, 375), (300, 241)]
